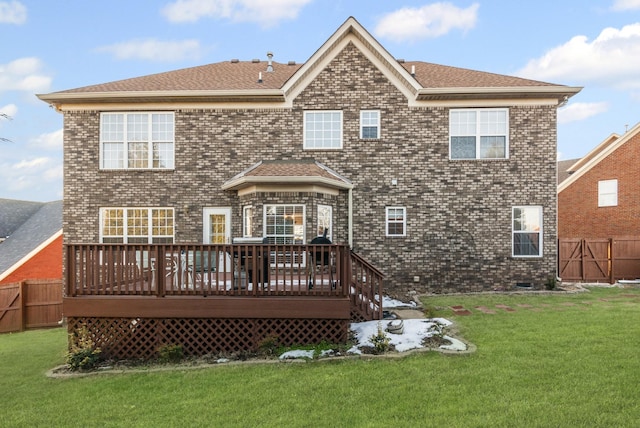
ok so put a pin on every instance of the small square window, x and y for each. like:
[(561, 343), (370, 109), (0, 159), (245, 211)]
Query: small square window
[(369, 124), (607, 193)]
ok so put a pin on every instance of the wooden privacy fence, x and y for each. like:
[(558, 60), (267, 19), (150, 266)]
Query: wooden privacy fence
[(599, 260), (30, 304)]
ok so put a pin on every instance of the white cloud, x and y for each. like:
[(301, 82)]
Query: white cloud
[(432, 20), (31, 164), (13, 12), (612, 59), (580, 111), (265, 12), (48, 141), (626, 4), (10, 110), (155, 50), (23, 74)]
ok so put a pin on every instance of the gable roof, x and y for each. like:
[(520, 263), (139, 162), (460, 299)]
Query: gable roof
[(595, 156), (234, 81), (42, 225)]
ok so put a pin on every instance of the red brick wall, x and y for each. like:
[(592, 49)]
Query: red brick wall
[(578, 213), (46, 264)]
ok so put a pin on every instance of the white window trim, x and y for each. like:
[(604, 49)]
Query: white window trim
[(304, 130), (330, 231), (478, 134), (125, 235), (608, 193), (540, 233), (404, 222), (247, 221), (377, 137), (280, 259), (125, 141)]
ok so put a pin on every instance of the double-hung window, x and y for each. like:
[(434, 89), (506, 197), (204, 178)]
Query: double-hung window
[(479, 133), (396, 221), (607, 193), (284, 225), (527, 231), (137, 140), (136, 225), (322, 130), (369, 124)]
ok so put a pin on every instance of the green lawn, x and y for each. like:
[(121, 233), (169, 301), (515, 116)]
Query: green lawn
[(560, 361)]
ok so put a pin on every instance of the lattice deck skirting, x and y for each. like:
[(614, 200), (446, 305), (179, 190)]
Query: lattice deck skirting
[(140, 338)]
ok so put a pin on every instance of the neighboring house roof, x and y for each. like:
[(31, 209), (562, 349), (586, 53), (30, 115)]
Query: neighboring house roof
[(234, 80), (14, 213), (43, 225), (595, 156), (565, 170), (292, 172)]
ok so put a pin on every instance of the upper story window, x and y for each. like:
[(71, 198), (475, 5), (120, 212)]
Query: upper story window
[(369, 124), (607, 193), (396, 221), (322, 130), (527, 231), (136, 225), (136, 141), (479, 133)]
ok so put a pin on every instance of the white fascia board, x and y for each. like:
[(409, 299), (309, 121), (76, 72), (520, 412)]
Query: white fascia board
[(32, 253), (599, 157)]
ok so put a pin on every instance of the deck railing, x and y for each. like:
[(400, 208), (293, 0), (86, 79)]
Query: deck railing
[(207, 270), (366, 291)]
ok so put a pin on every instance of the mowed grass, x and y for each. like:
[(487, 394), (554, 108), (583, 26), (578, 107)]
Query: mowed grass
[(556, 361)]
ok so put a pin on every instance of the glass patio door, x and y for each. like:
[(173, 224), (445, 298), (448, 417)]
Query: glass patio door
[(217, 226)]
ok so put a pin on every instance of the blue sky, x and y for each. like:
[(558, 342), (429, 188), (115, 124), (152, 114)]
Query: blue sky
[(55, 45)]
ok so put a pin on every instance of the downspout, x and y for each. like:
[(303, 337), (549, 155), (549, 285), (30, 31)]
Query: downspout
[(350, 218)]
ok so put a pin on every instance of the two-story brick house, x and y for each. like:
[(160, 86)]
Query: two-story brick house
[(443, 178)]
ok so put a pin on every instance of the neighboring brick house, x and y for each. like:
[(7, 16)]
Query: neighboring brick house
[(601, 196), (444, 178), (31, 240)]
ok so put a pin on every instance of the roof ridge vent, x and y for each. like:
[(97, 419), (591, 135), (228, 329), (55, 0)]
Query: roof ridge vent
[(255, 60), (235, 61), (270, 64), (291, 63)]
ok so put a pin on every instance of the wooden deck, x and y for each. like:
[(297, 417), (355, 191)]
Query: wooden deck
[(216, 298)]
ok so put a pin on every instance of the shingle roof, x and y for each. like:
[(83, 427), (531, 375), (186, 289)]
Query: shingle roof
[(41, 224), (14, 213), (228, 75), (563, 167), (299, 171), (302, 168), (243, 75), (442, 76), (234, 80)]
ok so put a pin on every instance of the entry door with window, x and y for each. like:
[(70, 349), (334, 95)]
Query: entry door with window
[(217, 226)]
